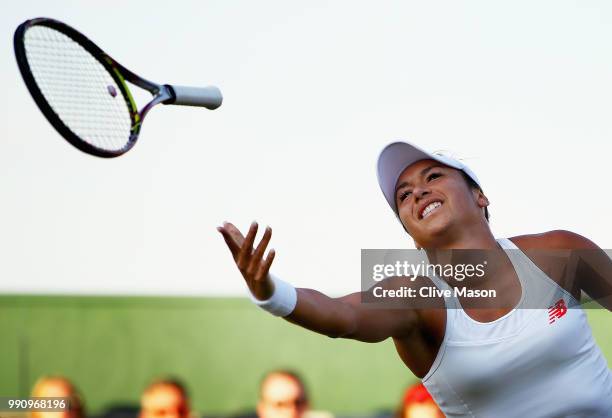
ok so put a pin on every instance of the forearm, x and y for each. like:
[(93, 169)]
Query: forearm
[(344, 317), (348, 317), (322, 314)]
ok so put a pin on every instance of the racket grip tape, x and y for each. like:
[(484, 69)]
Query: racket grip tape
[(209, 97)]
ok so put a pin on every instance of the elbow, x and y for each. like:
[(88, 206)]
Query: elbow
[(343, 324), (352, 331)]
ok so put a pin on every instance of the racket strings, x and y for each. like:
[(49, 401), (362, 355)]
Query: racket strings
[(78, 88)]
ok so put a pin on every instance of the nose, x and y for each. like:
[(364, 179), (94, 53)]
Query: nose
[(420, 192)]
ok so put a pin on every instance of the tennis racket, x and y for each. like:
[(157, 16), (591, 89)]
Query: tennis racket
[(83, 92)]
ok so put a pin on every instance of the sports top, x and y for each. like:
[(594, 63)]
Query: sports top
[(530, 363)]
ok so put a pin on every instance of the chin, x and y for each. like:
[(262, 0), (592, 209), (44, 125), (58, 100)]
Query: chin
[(434, 230)]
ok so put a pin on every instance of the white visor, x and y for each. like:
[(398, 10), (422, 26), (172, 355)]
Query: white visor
[(397, 156)]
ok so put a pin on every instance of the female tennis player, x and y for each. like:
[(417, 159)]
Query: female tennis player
[(498, 362)]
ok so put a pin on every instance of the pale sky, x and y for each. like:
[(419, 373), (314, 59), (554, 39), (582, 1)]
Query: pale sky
[(313, 91)]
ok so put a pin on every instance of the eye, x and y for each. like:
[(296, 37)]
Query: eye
[(433, 176), (404, 195)]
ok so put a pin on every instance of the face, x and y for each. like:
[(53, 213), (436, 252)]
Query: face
[(435, 203), (423, 410), (164, 401), (52, 388), (281, 397)]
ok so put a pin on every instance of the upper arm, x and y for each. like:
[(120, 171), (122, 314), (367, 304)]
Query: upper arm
[(586, 265), (593, 268)]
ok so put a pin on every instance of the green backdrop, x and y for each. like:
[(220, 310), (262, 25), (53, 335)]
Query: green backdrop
[(111, 347)]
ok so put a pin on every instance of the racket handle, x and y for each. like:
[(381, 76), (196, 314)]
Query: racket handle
[(209, 97)]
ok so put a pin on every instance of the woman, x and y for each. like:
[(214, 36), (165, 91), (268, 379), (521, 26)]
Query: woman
[(493, 363)]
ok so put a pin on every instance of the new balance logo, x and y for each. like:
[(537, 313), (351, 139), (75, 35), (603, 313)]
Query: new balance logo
[(556, 311)]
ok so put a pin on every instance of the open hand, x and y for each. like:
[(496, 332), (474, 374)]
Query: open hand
[(251, 263)]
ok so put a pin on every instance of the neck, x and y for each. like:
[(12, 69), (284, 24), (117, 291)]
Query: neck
[(478, 247), (477, 237)]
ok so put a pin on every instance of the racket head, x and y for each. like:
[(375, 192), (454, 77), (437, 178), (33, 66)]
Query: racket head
[(78, 87)]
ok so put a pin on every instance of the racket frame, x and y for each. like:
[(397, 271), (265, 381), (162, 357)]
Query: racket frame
[(210, 97)]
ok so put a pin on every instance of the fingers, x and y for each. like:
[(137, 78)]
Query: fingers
[(264, 268), (246, 250), (251, 263), (234, 233), (230, 241), (258, 254)]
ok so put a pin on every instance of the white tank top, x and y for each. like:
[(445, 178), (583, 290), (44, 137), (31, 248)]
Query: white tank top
[(530, 363)]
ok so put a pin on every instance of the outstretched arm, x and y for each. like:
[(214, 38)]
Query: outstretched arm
[(344, 317)]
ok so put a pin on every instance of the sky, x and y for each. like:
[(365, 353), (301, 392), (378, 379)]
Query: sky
[(521, 91)]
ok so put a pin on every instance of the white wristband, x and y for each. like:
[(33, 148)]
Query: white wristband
[(283, 300)]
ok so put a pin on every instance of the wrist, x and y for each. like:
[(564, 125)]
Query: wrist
[(283, 299)]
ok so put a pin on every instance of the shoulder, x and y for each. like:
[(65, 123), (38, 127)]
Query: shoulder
[(558, 239), (559, 245)]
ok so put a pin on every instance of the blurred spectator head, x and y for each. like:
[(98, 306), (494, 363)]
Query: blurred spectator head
[(418, 403), (58, 386), (165, 398), (282, 394)]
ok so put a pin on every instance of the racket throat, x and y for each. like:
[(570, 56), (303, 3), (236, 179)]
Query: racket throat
[(163, 95)]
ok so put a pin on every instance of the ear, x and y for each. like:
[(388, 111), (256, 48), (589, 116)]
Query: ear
[(481, 199)]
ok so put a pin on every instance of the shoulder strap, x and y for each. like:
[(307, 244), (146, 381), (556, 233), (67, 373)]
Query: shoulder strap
[(506, 244)]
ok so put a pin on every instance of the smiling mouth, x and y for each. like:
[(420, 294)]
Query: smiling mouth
[(429, 209)]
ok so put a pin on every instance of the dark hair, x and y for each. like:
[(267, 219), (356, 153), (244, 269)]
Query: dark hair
[(475, 186)]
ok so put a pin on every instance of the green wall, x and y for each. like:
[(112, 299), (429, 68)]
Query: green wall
[(112, 346)]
